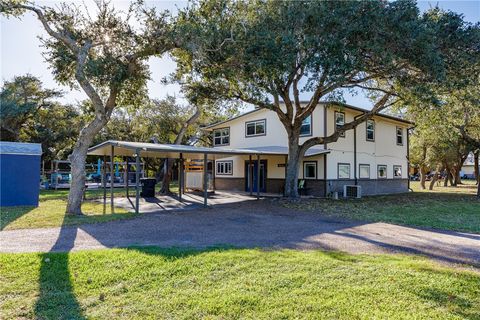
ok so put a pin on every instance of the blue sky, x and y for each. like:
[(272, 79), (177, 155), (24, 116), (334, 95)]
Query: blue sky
[(21, 52)]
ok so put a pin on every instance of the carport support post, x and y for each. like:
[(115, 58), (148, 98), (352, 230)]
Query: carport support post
[(137, 180), (205, 191), (250, 174), (104, 182), (180, 177), (258, 176), (127, 174), (112, 179)]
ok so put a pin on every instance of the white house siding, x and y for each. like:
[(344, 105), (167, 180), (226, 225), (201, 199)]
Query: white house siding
[(382, 151)]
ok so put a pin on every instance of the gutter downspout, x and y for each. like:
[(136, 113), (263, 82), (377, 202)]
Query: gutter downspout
[(355, 151), (325, 147), (408, 157)]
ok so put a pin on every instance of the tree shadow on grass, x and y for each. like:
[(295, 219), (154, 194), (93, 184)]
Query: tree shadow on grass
[(57, 299), (10, 214), (455, 304)]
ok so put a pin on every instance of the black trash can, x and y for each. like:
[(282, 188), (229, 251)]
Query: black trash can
[(148, 187)]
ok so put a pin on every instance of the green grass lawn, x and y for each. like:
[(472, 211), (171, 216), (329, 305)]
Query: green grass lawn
[(140, 283), (51, 213), (443, 208), (51, 210)]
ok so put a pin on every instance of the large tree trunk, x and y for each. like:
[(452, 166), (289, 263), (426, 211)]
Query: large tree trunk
[(445, 179), (294, 157), (449, 177), (423, 177), (77, 159), (167, 169), (434, 179), (476, 172), (456, 175), (167, 176)]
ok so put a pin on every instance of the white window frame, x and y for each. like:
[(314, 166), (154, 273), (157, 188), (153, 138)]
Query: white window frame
[(378, 171), (224, 168), (307, 163), (310, 126), (337, 124), (360, 170), (255, 123), (371, 130), (222, 136), (401, 171), (399, 135), (349, 171)]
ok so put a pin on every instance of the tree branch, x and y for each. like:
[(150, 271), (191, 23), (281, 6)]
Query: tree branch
[(61, 36), (379, 106)]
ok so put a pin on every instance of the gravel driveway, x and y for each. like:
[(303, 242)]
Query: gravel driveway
[(249, 224)]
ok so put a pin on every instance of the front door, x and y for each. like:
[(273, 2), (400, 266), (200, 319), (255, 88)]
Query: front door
[(263, 175)]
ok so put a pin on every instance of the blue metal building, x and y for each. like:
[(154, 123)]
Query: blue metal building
[(19, 173)]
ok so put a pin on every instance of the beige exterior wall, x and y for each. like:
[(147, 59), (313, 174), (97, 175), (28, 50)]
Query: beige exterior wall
[(275, 168), (382, 151)]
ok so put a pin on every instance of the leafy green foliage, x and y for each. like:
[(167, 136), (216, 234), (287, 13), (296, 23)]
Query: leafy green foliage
[(29, 113)]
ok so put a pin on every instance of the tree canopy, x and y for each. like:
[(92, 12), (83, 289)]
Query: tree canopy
[(267, 52)]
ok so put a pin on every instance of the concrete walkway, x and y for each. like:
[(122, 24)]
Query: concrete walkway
[(249, 224)]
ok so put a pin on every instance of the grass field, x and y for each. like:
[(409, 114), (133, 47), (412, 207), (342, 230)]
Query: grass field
[(51, 210), (443, 208), (141, 283)]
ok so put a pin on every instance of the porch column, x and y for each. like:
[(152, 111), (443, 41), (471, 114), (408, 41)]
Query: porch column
[(104, 183), (250, 174), (127, 174), (180, 177), (205, 184), (286, 161), (258, 176), (214, 175), (112, 177), (137, 180)]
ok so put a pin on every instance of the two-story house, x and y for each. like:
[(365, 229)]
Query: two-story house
[(374, 155)]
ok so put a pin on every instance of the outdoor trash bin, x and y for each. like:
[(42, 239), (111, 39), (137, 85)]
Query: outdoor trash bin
[(148, 187)]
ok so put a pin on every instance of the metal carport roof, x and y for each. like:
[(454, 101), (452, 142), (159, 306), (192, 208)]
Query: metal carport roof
[(155, 150)]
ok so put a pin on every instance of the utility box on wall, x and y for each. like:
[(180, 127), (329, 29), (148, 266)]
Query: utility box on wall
[(19, 173)]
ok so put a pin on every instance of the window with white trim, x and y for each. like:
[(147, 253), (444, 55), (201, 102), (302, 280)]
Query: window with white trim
[(224, 167), (364, 171), (306, 128), (370, 130), (221, 137), (381, 171), (397, 171), (399, 136), (310, 170), (339, 121), (255, 128), (343, 171)]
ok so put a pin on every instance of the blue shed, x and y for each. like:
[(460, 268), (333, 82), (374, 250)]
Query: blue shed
[(19, 173)]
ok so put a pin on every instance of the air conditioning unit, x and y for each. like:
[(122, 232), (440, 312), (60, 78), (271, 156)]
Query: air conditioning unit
[(352, 192)]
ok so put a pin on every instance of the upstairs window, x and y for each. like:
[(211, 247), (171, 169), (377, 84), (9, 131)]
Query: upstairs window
[(221, 137), (370, 130), (399, 136), (255, 128), (306, 128), (339, 121)]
